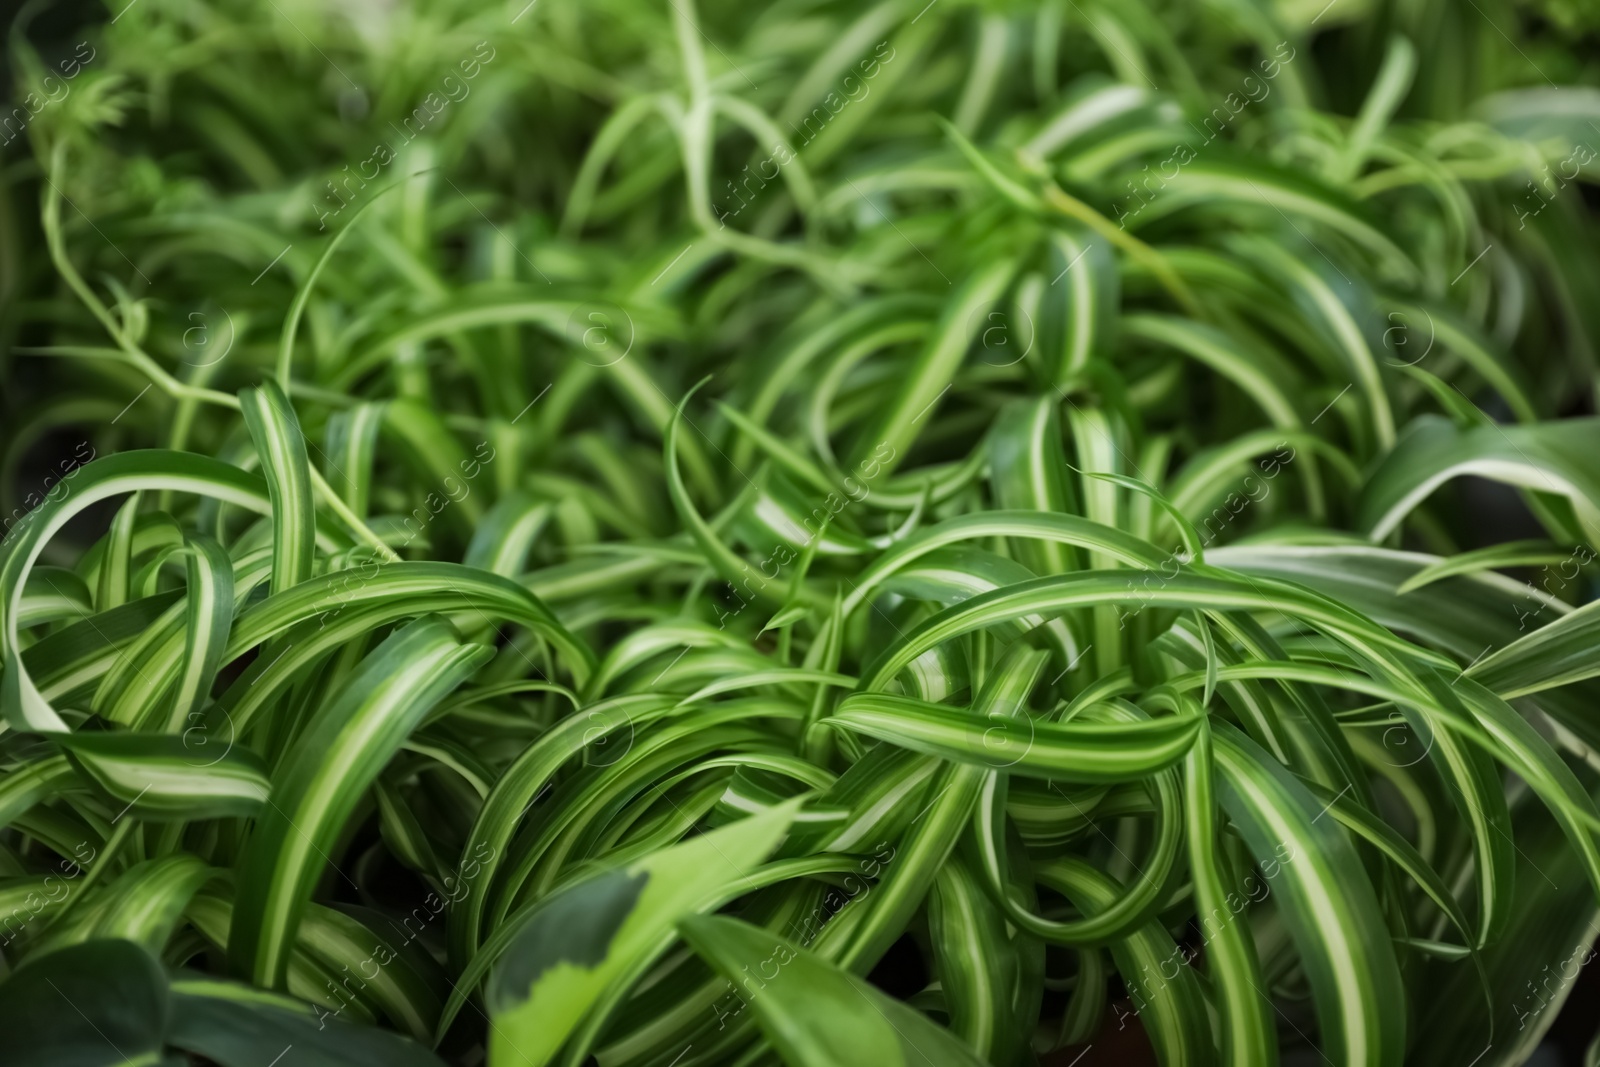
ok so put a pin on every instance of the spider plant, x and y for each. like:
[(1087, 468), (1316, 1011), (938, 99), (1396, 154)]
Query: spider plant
[(687, 534)]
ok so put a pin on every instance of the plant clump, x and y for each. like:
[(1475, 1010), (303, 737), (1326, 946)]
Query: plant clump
[(688, 534)]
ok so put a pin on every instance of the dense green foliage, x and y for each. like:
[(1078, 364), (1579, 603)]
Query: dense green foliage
[(541, 528)]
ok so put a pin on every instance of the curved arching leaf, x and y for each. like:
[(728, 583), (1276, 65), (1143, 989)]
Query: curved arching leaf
[(324, 776)]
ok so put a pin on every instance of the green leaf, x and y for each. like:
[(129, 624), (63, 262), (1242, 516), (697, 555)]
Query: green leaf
[(815, 1014), (281, 446), (110, 476), (147, 901), (925, 382), (236, 1026), (1075, 752), (323, 777), (1028, 472), (1326, 901), (165, 776), (595, 934), (98, 1004), (980, 964), (208, 616), (1554, 655), (1554, 458), (1494, 557), (1248, 1031), (932, 835), (1172, 1007)]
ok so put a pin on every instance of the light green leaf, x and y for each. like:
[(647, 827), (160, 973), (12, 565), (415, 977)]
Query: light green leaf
[(584, 940)]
